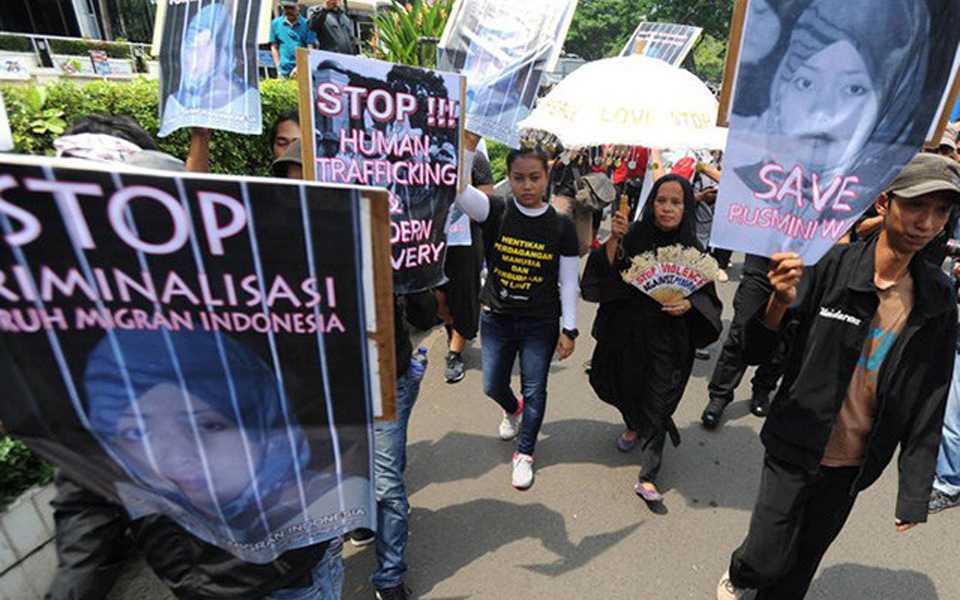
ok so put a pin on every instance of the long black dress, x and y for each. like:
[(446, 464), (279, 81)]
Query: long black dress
[(644, 357)]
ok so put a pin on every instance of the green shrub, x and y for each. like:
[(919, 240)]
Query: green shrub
[(19, 470), (83, 47), (139, 99), (498, 159), (15, 43)]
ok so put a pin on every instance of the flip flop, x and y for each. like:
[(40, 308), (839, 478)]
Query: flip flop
[(625, 445), (648, 495)]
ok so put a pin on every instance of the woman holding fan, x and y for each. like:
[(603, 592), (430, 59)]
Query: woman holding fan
[(645, 348)]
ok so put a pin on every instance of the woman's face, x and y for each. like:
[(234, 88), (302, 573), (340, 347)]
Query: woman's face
[(528, 181), (764, 23), (168, 430), (201, 56), (830, 102), (668, 207)]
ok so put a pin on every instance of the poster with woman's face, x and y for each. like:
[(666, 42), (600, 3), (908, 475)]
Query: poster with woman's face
[(194, 347), (503, 47), (208, 66), (831, 100)]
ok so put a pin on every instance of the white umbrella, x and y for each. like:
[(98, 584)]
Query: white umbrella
[(630, 100)]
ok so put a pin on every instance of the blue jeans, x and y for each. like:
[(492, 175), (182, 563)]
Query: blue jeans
[(948, 465), (390, 439), (327, 578), (503, 337)]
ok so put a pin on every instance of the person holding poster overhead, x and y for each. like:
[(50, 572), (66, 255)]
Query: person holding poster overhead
[(645, 349), (874, 324)]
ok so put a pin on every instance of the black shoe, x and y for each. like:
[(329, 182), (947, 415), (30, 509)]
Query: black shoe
[(712, 413), (454, 372), (361, 537), (394, 593), (760, 404)]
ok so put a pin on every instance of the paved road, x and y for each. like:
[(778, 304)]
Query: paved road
[(581, 533)]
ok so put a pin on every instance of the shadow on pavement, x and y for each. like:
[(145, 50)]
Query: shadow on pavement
[(476, 455), (713, 469), (709, 469), (461, 534), (858, 582)]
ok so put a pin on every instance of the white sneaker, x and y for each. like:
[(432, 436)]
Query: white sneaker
[(522, 471), (510, 424), (727, 591)]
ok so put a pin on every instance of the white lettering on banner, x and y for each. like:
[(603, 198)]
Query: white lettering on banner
[(836, 315)]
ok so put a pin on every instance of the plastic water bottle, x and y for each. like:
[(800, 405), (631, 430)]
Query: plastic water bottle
[(418, 363)]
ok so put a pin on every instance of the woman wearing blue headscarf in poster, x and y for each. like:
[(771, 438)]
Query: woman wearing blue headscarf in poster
[(218, 80), (199, 424), (845, 110)]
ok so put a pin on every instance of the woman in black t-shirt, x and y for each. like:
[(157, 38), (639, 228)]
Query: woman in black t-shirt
[(532, 271)]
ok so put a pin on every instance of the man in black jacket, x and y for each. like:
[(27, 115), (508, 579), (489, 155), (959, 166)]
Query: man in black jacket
[(334, 29), (870, 366)]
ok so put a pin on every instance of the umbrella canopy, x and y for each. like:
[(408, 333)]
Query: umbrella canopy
[(630, 100)]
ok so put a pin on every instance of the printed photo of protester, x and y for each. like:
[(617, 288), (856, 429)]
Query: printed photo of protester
[(209, 67)]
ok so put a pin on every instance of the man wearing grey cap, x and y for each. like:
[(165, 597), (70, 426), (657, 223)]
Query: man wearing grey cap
[(874, 325)]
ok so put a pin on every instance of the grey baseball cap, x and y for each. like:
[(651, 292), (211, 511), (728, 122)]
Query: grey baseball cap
[(292, 3), (949, 137), (928, 173), (291, 157)]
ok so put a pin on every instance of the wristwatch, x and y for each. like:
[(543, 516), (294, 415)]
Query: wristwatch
[(570, 333)]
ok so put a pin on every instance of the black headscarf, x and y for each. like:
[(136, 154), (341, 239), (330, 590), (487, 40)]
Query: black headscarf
[(644, 235)]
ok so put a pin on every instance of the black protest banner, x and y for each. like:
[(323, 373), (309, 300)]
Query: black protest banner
[(197, 347), (374, 123)]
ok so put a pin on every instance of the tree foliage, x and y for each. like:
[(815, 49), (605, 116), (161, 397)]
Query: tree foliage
[(601, 28)]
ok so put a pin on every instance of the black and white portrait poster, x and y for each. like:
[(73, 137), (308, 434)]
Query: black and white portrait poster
[(669, 42), (503, 47), (193, 346), (395, 127), (208, 66), (832, 100)]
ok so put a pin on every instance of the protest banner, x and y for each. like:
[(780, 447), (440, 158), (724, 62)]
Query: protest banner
[(204, 348), (368, 122), (503, 48), (669, 42), (208, 66), (824, 114)]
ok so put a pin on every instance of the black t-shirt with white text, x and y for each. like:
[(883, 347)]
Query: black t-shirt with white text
[(523, 259)]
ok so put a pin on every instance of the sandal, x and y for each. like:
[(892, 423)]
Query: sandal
[(624, 444), (650, 495)]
